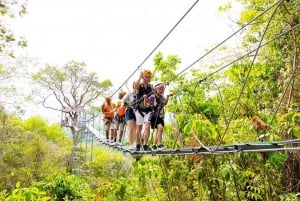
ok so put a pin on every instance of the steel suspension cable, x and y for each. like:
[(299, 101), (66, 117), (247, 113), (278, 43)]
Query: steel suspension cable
[(259, 46), (238, 59), (282, 98), (155, 48), (225, 40), (249, 71), (246, 54), (242, 57)]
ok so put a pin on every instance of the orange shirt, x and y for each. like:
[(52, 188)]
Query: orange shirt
[(107, 109), (121, 111)]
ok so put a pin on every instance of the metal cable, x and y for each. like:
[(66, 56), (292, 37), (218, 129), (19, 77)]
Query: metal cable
[(155, 48), (218, 45), (248, 73)]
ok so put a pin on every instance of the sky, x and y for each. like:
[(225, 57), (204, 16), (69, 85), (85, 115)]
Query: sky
[(114, 37)]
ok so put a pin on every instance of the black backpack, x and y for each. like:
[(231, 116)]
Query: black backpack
[(139, 97)]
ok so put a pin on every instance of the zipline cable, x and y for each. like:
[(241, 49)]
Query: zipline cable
[(155, 48)]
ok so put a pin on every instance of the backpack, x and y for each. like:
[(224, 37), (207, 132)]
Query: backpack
[(139, 96), (157, 105)]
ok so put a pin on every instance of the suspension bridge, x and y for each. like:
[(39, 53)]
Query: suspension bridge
[(88, 132)]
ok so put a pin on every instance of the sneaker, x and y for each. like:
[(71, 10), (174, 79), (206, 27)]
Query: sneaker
[(138, 147), (131, 147), (146, 148), (161, 147), (154, 147)]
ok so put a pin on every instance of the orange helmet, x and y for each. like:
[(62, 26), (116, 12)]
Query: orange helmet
[(147, 73), (107, 98), (119, 103), (122, 93)]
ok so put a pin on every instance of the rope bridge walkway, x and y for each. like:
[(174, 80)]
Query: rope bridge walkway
[(87, 133), (239, 148)]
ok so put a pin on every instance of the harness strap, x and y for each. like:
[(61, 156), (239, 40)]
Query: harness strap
[(140, 111)]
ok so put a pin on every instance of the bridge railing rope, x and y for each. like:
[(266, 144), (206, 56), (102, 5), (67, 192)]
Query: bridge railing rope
[(239, 148)]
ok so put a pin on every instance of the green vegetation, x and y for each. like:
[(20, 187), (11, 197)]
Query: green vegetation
[(214, 107)]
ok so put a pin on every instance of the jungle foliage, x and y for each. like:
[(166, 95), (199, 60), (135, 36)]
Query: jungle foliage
[(254, 99)]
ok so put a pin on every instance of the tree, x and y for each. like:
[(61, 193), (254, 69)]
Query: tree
[(27, 152), (273, 84), (8, 10), (66, 187), (8, 42), (72, 87)]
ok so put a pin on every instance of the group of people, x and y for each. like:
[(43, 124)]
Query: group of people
[(114, 118), (140, 110)]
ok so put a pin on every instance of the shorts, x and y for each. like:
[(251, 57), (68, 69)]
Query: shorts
[(130, 114), (156, 120), (142, 117), (120, 125), (109, 123)]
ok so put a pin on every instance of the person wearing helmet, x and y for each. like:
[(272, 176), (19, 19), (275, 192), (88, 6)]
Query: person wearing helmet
[(143, 90), (121, 94), (120, 116), (129, 102), (157, 102), (108, 112)]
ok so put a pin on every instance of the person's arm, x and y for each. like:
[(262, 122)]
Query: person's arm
[(114, 108), (102, 107), (137, 83), (126, 99), (167, 98)]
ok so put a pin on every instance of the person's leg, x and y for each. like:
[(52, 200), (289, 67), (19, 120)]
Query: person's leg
[(160, 128), (117, 129), (113, 131), (107, 134), (107, 128), (138, 133), (146, 132), (158, 137), (146, 127), (121, 131), (139, 127), (131, 131)]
